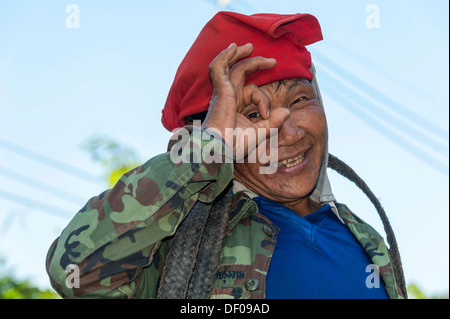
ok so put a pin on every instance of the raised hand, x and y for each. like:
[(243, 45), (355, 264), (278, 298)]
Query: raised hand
[(231, 96)]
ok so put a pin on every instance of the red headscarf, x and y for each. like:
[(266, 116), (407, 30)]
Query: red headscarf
[(278, 36)]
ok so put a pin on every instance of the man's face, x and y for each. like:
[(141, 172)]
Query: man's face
[(301, 144)]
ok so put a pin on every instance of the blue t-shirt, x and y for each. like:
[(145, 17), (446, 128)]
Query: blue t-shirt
[(317, 257)]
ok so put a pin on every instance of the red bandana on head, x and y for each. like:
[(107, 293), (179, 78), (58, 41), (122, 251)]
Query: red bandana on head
[(278, 36)]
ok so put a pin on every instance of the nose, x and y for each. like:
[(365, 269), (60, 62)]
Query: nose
[(290, 133)]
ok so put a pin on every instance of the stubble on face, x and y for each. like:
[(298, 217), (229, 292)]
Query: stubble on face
[(301, 145)]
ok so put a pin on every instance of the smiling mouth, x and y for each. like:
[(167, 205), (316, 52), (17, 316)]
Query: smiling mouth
[(292, 161)]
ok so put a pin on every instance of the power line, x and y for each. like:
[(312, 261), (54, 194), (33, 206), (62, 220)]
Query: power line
[(360, 106), (26, 180), (48, 161), (7, 223), (386, 117), (355, 108), (36, 204), (373, 65), (404, 112)]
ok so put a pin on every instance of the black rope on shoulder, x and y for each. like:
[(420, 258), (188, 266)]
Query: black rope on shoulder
[(346, 171), (183, 253), (194, 251)]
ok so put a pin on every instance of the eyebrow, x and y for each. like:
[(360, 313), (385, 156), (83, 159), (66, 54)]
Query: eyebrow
[(294, 83), (279, 84)]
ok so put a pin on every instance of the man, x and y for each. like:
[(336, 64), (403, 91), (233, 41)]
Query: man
[(284, 234)]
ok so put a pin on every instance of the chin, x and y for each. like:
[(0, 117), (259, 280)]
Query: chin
[(285, 184)]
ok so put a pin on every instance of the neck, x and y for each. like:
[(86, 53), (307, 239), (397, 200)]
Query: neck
[(301, 206)]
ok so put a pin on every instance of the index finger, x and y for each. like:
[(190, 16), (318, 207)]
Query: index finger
[(228, 57), (241, 70)]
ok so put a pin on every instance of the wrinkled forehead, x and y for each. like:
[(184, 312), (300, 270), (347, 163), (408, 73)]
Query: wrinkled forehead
[(287, 85), (277, 84)]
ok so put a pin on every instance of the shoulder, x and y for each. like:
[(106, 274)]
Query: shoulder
[(356, 223), (372, 242)]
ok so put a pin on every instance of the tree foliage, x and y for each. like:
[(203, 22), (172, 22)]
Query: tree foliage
[(13, 288), (416, 292), (115, 159)]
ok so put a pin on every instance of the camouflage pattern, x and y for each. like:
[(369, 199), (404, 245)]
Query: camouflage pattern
[(120, 239), (374, 245)]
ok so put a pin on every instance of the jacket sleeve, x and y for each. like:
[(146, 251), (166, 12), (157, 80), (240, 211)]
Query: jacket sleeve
[(102, 252)]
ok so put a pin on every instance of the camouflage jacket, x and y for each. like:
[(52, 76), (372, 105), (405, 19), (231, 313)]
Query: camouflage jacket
[(116, 245)]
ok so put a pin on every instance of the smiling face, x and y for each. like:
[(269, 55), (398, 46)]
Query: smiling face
[(301, 146)]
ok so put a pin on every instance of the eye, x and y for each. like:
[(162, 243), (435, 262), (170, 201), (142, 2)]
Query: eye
[(254, 116), (298, 100)]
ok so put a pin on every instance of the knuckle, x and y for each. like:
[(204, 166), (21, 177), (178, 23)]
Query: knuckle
[(253, 86), (212, 66)]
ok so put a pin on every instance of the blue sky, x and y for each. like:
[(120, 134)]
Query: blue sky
[(385, 92)]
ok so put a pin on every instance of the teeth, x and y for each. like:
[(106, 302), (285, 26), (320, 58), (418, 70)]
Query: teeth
[(292, 161)]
